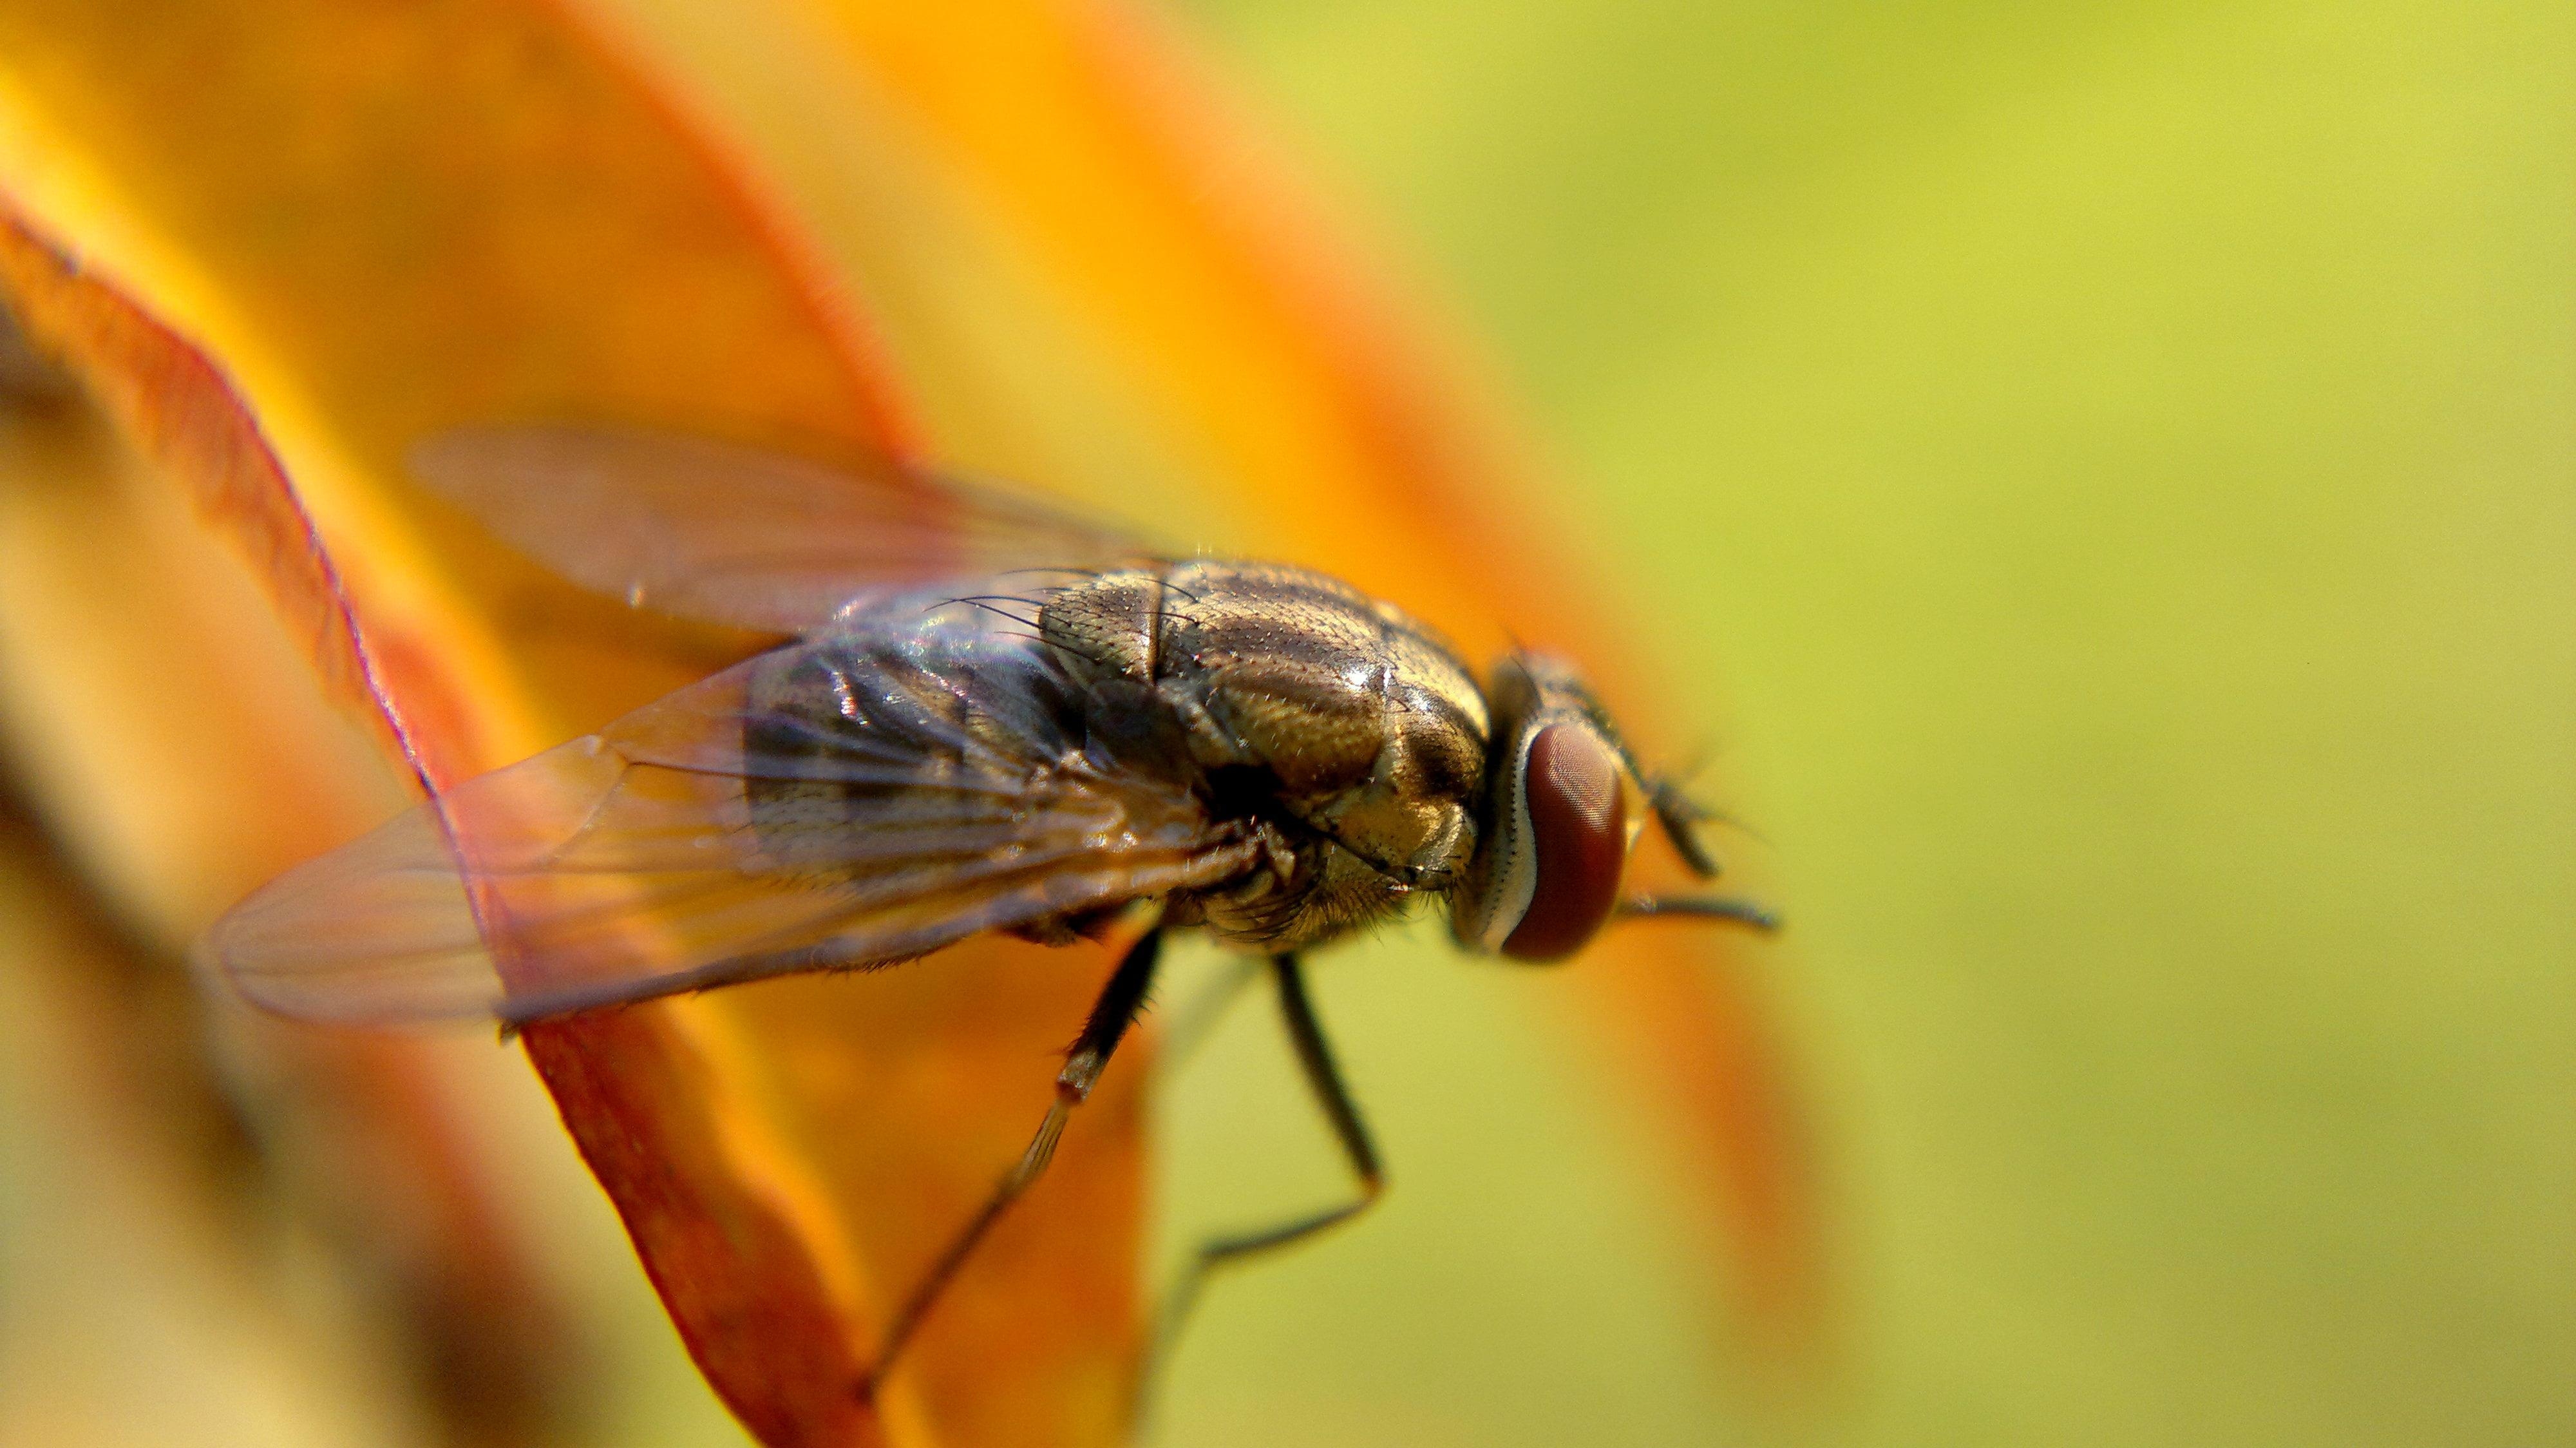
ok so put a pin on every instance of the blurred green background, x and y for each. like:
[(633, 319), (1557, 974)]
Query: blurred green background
[(2107, 475)]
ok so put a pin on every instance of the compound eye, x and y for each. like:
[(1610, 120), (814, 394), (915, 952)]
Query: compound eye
[(1577, 820)]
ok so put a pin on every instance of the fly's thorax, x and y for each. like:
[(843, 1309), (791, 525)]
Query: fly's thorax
[(1109, 626), (1355, 720)]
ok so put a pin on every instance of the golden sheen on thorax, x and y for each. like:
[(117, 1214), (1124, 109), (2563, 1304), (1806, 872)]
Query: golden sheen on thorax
[(989, 716), (1306, 695)]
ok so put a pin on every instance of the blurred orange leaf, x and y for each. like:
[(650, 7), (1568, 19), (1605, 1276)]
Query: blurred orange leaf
[(486, 217)]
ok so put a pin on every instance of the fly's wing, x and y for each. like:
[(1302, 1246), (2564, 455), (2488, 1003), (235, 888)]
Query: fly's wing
[(709, 530), (858, 799)]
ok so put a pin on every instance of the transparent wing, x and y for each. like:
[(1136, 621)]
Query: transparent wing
[(861, 798), (704, 529)]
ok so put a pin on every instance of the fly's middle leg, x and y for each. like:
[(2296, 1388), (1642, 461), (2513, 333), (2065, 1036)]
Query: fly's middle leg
[(1110, 1016), (1333, 1097)]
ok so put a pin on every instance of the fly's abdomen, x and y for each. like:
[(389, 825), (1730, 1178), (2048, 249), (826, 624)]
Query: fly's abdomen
[(902, 747)]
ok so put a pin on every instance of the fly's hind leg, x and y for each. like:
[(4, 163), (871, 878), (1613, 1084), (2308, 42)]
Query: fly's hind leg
[(1110, 1016), (1333, 1096)]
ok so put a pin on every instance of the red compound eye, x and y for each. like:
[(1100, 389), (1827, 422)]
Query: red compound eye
[(1578, 821)]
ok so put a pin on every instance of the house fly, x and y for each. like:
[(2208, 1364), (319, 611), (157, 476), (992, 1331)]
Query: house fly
[(991, 717)]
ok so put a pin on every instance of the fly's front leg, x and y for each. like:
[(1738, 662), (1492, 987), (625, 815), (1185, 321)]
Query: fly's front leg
[(1747, 913), (1110, 1016), (1679, 818), (1333, 1096)]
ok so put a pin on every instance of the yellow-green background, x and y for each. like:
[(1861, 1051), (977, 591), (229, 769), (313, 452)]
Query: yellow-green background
[(2107, 476)]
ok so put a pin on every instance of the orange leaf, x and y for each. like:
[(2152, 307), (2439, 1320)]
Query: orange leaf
[(142, 665), (384, 223)]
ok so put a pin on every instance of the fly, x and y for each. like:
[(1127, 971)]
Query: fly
[(993, 717)]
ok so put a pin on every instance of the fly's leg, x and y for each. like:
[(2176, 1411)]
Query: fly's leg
[(1698, 907), (1110, 1016), (1678, 818), (1324, 1079)]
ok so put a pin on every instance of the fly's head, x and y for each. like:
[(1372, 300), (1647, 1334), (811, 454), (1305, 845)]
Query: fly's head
[(1555, 828)]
